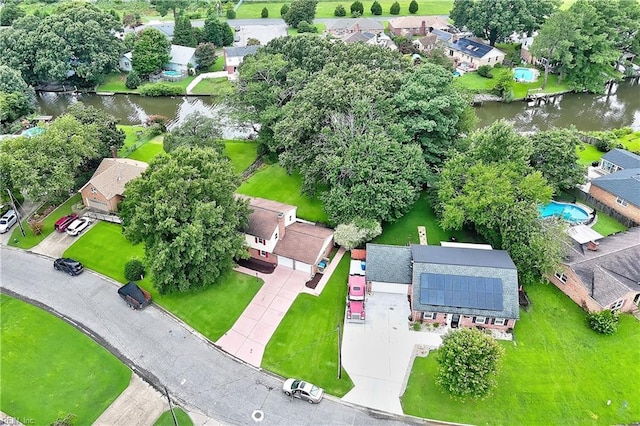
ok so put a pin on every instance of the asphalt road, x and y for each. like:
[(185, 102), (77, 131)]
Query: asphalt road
[(166, 352)]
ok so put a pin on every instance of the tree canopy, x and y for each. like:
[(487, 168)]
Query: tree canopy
[(184, 210), (17, 99), (109, 136), (76, 40), (196, 131), (183, 34), (150, 52), (300, 10)]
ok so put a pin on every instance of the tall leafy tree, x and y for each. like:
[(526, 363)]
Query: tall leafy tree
[(555, 41), (110, 137), (555, 156), (175, 6), (300, 10), (213, 30), (206, 55), (17, 99), (196, 131), (9, 13), (150, 52), (183, 34), (184, 210)]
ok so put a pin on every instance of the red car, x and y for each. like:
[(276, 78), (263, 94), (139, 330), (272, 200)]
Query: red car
[(356, 297), (64, 222)]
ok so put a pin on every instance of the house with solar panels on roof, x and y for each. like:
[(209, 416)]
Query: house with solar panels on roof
[(458, 285), (471, 53)]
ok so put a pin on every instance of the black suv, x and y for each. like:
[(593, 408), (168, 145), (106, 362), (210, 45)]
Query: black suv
[(70, 266)]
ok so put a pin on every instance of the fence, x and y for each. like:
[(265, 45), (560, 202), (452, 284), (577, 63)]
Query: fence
[(600, 206), (101, 216)]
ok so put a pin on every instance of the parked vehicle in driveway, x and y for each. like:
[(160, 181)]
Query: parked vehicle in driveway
[(68, 265), (303, 390), (63, 223), (7, 221), (77, 226), (136, 297), (356, 297)]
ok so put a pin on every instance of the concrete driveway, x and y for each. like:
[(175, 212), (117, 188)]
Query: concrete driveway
[(377, 354), (55, 244), (264, 33)]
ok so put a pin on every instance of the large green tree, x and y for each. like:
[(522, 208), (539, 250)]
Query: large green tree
[(196, 131), (184, 210), (183, 34), (110, 137), (150, 52), (17, 99), (555, 156), (300, 10), (76, 40), (9, 13), (175, 6), (206, 55), (468, 363), (554, 42)]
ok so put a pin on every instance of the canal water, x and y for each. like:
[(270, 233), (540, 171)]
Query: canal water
[(619, 108)]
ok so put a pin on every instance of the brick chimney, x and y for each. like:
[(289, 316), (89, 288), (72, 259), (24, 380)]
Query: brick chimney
[(114, 151), (423, 28)]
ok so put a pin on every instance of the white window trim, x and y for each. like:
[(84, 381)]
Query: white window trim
[(617, 305), (263, 253), (621, 201), (561, 276), (478, 320), (429, 315), (500, 321)]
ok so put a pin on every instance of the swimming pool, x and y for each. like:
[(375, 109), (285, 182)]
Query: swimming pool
[(33, 132), (524, 74), (568, 212), (172, 73)]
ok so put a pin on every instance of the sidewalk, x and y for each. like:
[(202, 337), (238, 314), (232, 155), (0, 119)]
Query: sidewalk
[(198, 79)]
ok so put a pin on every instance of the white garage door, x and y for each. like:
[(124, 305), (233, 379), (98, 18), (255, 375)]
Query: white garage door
[(285, 261), (377, 287), (99, 205), (305, 267)]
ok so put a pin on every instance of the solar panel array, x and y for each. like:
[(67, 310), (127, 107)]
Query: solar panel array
[(461, 291)]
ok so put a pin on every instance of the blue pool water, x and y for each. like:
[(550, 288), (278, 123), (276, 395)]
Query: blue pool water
[(568, 212), (524, 74), (171, 73), (33, 131), (456, 73)]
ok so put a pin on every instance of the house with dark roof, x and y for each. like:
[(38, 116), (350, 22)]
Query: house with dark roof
[(474, 53), (410, 26), (453, 286), (377, 39), (105, 189), (340, 27), (605, 275), (618, 187), (233, 57), (275, 235)]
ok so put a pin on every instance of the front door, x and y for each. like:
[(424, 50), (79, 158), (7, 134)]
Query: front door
[(455, 321)]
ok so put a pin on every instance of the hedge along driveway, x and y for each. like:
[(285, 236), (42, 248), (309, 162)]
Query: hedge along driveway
[(211, 311), (50, 369)]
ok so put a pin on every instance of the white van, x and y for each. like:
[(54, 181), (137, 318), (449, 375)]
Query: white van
[(7, 221)]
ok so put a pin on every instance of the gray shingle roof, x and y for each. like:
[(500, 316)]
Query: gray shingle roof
[(364, 24), (623, 158), (113, 174), (303, 242), (182, 55), (241, 52), (472, 47), (614, 268), (388, 264), (624, 184), (462, 256)]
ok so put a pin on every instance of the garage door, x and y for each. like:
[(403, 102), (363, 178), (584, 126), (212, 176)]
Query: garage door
[(305, 267), (98, 205), (389, 288), (285, 261)]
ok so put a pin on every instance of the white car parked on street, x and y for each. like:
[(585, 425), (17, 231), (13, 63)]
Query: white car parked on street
[(7, 221)]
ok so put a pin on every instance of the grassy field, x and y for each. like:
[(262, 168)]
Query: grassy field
[(242, 154), (166, 419), (149, 150), (631, 142), (115, 83), (32, 240), (560, 372), (325, 9), (587, 154), (131, 137), (50, 369), (218, 88), (273, 182), (606, 225), (306, 341), (474, 83), (405, 230), (211, 311), (218, 65)]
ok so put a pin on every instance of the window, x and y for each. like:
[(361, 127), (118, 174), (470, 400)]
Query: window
[(617, 305), (276, 237), (93, 190), (264, 253), (480, 320), (561, 276), (500, 321), (621, 201), (429, 315)]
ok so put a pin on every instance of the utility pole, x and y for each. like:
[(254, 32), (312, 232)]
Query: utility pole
[(15, 209), (175, 421), (339, 353)]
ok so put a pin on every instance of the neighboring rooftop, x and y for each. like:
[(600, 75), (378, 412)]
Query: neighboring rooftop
[(182, 55), (472, 47), (113, 173), (623, 183), (241, 52), (404, 22), (303, 242), (462, 256), (362, 24), (389, 264), (623, 158)]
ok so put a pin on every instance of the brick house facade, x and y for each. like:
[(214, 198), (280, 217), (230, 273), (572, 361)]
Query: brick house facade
[(617, 203)]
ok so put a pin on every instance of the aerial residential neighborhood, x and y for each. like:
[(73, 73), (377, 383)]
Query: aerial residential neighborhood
[(314, 212)]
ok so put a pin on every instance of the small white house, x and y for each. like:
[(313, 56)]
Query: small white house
[(179, 59)]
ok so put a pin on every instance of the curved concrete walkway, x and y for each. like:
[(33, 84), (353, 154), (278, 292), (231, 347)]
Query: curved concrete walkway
[(198, 79)]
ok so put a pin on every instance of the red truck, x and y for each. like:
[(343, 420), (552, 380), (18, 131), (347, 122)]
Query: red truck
[(355, 297)]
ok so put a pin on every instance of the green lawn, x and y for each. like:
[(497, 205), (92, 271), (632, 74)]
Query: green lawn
[(273, 182), (149, 150), (131, 136), (211, 311), (405, 230), (606, 225), (115, 83), (474, 83), (306, 342), (294, 32), (631, 142), (50, 369), (32, 240), (587, 154), (218, 88), (218, 65), (325, 9), (242, 154), (560, 372), (166, 419)]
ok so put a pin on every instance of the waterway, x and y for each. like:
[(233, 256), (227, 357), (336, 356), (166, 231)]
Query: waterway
[(619, 108)]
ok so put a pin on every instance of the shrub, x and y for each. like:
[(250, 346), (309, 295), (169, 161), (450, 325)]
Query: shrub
[(154, 130), (485, 71), (622, 132), (395, 8), (231, 14), (356, 7), (160, 89), (264, 13), (606, 141), (376, 9), (413, 7), (352, 235), (504, 84), (340, 11), (133, 80), (158, 119), (134, 270), (305, 27), (498, 65), (417, 326), (36, 226), (284, 9), (605, 322)]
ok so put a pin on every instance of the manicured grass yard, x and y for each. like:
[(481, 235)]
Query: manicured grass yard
[(149, 150), (325, 9), (218, 65), (50, 369), (405, 230), (218, 88), (559, 373), (273, 182), (587, 154), (32, 240), (631, 142), (131, 136), (242, 154), (211, 311), (166, 419), (306, 341), (476, 84)]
